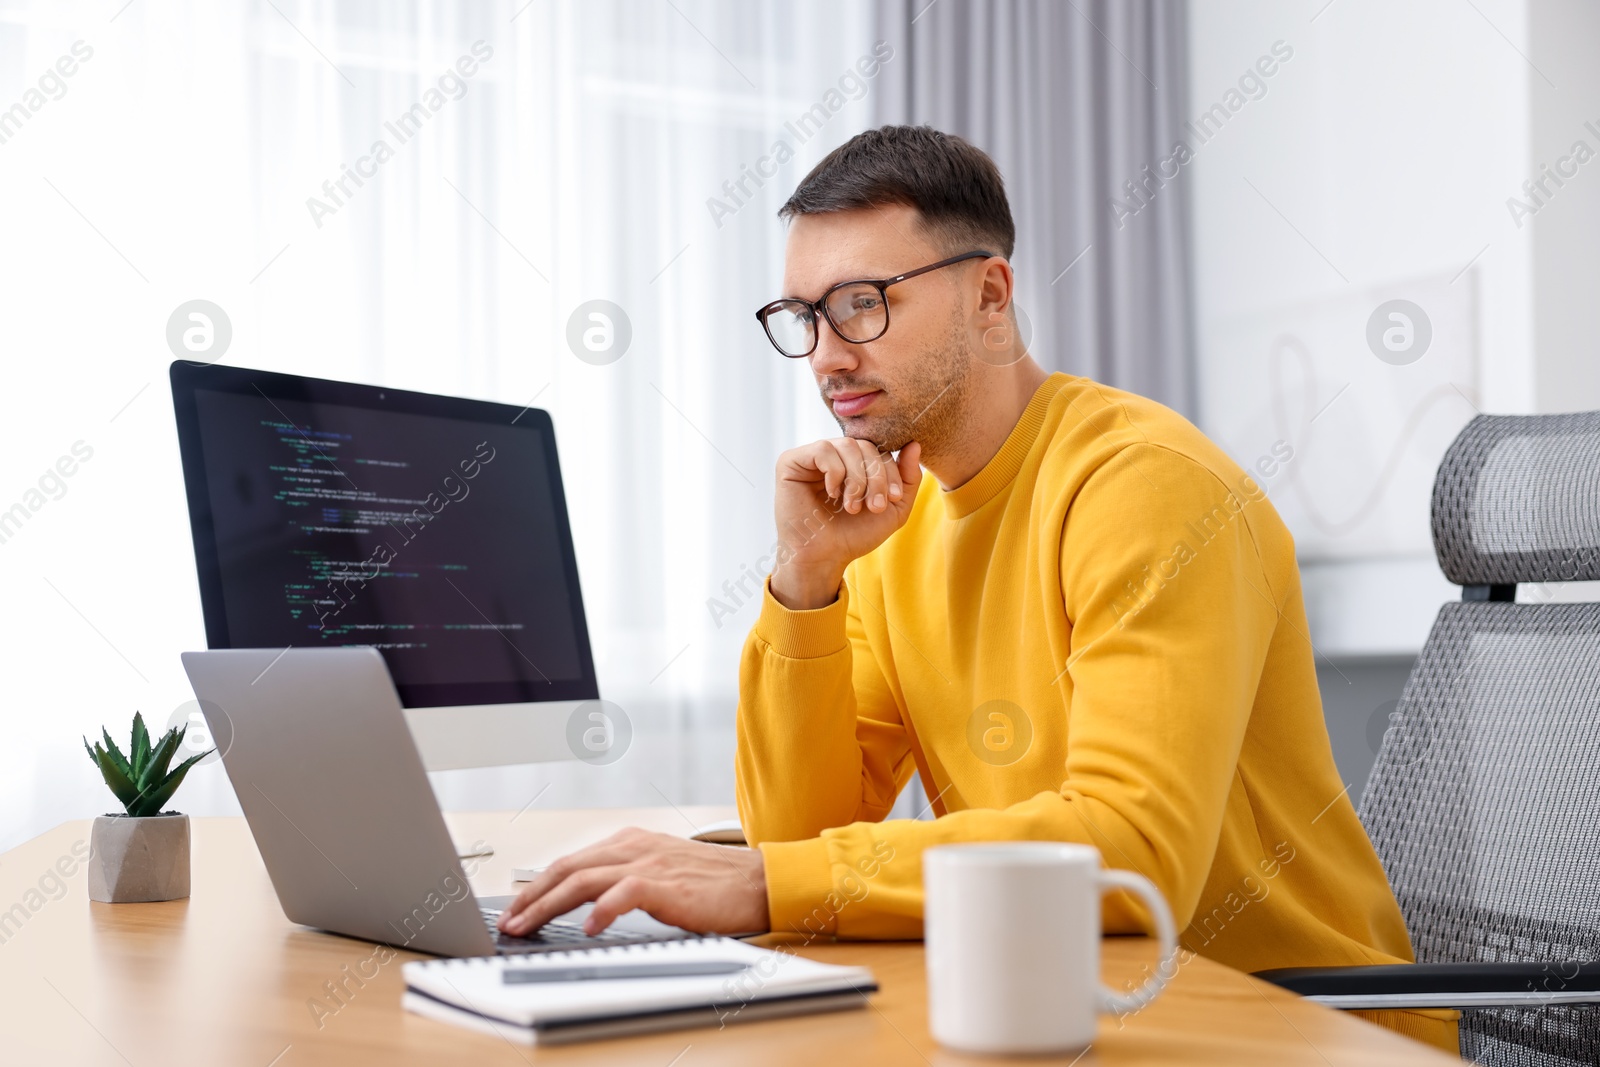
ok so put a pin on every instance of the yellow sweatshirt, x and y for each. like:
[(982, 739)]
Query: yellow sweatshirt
[(1099, 638)]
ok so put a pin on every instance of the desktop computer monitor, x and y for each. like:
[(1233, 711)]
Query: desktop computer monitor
[(432, 528)]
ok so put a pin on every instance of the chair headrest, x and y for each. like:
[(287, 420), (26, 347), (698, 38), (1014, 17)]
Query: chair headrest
[(1517, 499)]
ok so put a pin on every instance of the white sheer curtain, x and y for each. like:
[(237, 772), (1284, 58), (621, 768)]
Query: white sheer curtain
[(603, 149)]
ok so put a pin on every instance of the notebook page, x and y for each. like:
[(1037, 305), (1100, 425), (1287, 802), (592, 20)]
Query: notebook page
[(476, 984)]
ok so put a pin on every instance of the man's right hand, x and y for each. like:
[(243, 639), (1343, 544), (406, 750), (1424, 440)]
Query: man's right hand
[(836, 500)]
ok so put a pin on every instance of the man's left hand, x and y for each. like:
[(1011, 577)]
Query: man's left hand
[(714, 889)]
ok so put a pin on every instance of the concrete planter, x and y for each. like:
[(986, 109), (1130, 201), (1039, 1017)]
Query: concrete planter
[(139, 859)]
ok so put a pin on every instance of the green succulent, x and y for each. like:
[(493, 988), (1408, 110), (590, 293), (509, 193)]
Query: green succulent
[(141, 780)]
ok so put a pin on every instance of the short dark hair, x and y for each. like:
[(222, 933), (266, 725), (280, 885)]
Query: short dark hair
[(955, 187)]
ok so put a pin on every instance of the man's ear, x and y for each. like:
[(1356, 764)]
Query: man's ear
[(995, 290), (992, 332)]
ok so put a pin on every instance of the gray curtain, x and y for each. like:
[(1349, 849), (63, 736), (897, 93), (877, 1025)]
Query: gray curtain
[(1074, 99)]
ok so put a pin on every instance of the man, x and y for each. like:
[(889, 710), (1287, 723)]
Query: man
[(1086, 626)]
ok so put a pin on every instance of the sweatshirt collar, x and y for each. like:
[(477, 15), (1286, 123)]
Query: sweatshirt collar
[(1004, 465)]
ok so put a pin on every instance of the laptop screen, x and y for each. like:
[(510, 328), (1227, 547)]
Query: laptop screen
[(431, 528)]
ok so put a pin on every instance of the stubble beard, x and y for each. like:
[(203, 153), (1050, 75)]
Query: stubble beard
[(928, 406)]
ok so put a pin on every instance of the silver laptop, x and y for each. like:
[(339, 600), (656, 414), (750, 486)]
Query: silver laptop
[(317, 748)]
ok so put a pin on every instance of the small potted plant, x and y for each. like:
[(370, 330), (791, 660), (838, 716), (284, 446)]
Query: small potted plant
[(143, 854)]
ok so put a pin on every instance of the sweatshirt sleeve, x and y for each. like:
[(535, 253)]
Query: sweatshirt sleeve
[(819, 738), (1160, 695)]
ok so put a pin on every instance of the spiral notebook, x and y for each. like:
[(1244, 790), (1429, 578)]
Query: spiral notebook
[(475, 992)]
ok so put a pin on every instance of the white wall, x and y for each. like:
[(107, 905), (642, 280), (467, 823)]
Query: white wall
[(1391, 141), (1564, 40), (1375, 166)]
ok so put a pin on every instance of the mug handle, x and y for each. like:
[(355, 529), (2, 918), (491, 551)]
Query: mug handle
[(1144, 889)]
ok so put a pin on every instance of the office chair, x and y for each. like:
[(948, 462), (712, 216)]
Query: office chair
[(1484, 803)]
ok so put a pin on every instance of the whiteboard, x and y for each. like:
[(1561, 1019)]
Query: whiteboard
[(1364, 390)]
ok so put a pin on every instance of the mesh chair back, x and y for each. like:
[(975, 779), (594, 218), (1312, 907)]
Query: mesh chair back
[(1484, 803), (1517, 499)]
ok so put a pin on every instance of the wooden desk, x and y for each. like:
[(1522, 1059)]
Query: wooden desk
[(223, 979)]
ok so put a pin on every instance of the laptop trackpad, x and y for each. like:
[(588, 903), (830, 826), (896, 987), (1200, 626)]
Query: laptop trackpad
[(633, 922)]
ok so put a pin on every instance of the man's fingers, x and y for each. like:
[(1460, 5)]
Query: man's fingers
[(911, 467), (628, 893), (853, 472), (618, 848), (580, 888), (855, 481), (891, 471), (811, 464), (547, 880), (877, 491), (833, 469)]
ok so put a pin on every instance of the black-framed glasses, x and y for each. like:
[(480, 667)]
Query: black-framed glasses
[(857, 311)]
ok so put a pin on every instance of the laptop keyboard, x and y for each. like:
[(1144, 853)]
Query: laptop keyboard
[(562, 936)]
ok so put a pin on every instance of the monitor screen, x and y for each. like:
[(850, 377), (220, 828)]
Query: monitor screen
[(431, 528)]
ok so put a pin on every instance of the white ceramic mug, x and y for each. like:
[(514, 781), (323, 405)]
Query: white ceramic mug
[(1013, 945)]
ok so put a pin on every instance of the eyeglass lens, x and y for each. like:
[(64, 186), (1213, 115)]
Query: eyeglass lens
[(792, 327), (858, 311)]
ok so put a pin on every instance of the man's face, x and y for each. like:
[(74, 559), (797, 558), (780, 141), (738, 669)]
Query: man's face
[(912, 383)]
